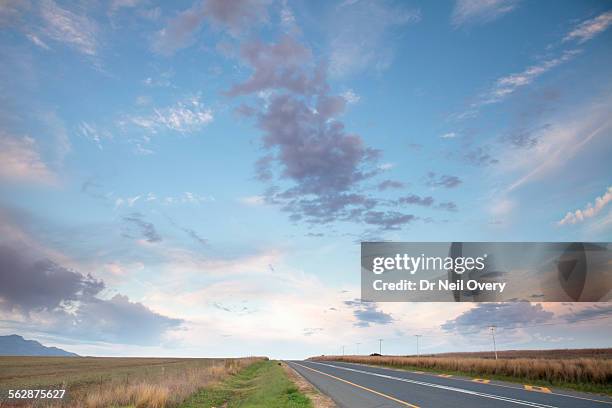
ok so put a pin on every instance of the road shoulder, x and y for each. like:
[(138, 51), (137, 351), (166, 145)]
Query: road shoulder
[(318, 399)]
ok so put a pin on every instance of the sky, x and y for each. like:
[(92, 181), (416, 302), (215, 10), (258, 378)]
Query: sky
[(194, 178)]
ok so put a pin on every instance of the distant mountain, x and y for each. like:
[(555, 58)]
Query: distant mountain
[(14, 345)]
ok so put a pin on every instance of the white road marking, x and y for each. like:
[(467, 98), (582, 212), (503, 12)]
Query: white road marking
[(444, 387)]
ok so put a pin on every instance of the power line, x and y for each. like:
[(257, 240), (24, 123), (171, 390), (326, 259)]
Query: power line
[(493, 334), (488, 332), (417, 339)]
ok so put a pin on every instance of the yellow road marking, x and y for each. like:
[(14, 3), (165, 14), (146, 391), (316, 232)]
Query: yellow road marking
[(362, 387), (419, 372), (481, 380), (444, 375), (493, 384), (537, 389)]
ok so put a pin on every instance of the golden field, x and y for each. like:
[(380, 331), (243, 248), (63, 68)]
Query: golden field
[(592, 372), (96, 382)]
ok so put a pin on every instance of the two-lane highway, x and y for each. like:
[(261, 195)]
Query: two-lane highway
[(361, 386)]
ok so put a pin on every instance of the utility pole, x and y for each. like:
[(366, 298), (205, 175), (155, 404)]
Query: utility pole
[(493, 327), (358, 348), (417, 338), (343, 350), (380, 346)]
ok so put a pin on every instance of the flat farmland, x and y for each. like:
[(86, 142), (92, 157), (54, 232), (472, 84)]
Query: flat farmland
[(102, 382)]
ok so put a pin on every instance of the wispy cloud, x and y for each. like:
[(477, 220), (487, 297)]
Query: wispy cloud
[(185, 116), (507, 85), (351, 97), (65, 26), (590, 28), (37, 41), (354, 49), (256, 200), (468, 12), (588, 211), (93, 133), (20, 160), (559, 143), (144, 228), (187, 197)]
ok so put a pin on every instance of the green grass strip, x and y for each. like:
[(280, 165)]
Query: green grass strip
[(260, 385)]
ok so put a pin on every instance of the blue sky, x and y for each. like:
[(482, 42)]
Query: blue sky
[(186, 178)]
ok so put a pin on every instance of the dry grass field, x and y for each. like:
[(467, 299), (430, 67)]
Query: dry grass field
[(589, 371), (557, 354), (94, 382)]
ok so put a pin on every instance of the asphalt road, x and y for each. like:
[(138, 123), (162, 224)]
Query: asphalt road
[(360, 386)]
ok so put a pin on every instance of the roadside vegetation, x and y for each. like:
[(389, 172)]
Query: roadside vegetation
[(93, 382), (263, 384), (583, 374)]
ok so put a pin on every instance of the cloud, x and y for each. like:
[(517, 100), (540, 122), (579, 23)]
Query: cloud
[(568, 138), (316, 165), (47, 297), (10, 11), (387, 220), (69, 28), (447, 206), (502, 315), (185, 116), (594, 312), (317, 155), (589, 211), (449, 135), (186, 197), (354, 49), (390, 184), (119, 320), (91, 132), (480, 156), (505, 86), (195, 236), (235, 17), (588, 29), (21, 161), (468, 12), (29, 284), (416, 200), (278, 66), (253, 200), (37, 41), (525, 138), (145, 229), (309, 331), (367, 313), (325, 208), (351, 97), (444, 180)]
